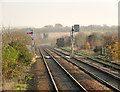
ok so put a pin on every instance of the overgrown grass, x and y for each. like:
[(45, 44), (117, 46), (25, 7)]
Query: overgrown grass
[(22, 84)]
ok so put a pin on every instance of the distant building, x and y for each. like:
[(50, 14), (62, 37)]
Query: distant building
[(48, 26), (58, 25)]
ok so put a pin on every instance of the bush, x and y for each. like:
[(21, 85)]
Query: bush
[(10, 56), (25, 56), (97, 49), (15, 55), (60, 42), (112, 48)]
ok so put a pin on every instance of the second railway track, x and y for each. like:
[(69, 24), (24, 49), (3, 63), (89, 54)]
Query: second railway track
[(106, 79), (60, 77), (106, 63)]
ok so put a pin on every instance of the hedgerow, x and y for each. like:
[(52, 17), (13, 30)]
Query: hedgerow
[(15, 54)]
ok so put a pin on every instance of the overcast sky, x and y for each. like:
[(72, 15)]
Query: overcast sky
[(34, 13)]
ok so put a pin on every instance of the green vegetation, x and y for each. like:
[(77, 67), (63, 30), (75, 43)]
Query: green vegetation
[(74, 52), (22, 83), (95, 43), (20, 86), (60, 42), (15, 54), (96, 60)]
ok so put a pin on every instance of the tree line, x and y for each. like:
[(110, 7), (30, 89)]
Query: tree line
[(104, 44)]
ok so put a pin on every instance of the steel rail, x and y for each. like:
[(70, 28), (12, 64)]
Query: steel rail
[(114, 65), (113, 75), (88, 72), (97, 58), (79, 85), (108, 61), (49, 72)]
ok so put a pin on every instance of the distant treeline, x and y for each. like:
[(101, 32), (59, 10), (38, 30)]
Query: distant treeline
[(99, 28), (50, 28), (61, 28), (105, 44)]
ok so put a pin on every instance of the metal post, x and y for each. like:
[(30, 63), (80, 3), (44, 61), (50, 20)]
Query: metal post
[(32, 36), (72, 40), (77, 48), (102, 51)]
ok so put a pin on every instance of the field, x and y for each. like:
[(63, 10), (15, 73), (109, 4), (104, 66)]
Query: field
[(63, 34)]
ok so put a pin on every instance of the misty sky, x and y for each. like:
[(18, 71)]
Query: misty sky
[(68, 13)]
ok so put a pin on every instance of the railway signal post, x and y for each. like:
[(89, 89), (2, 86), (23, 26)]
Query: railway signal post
[(72, 39), (75, 28), (30, 32)]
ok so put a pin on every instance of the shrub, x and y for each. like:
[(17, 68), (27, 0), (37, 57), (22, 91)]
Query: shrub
[(25, 56), (10, 56), (87, 45), (15, 54), (111, 46)]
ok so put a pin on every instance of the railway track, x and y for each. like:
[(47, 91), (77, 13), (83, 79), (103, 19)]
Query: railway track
[(110, 80), (110, 72), (106, 63), (41, 79), (61, 79)]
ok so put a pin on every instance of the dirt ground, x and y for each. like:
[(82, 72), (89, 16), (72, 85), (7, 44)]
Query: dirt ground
[(10, 84), (89, 52), (40, 79)]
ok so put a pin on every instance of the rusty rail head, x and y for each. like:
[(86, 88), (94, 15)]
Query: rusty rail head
[(49, 72), (83, 89), (91, 74)]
